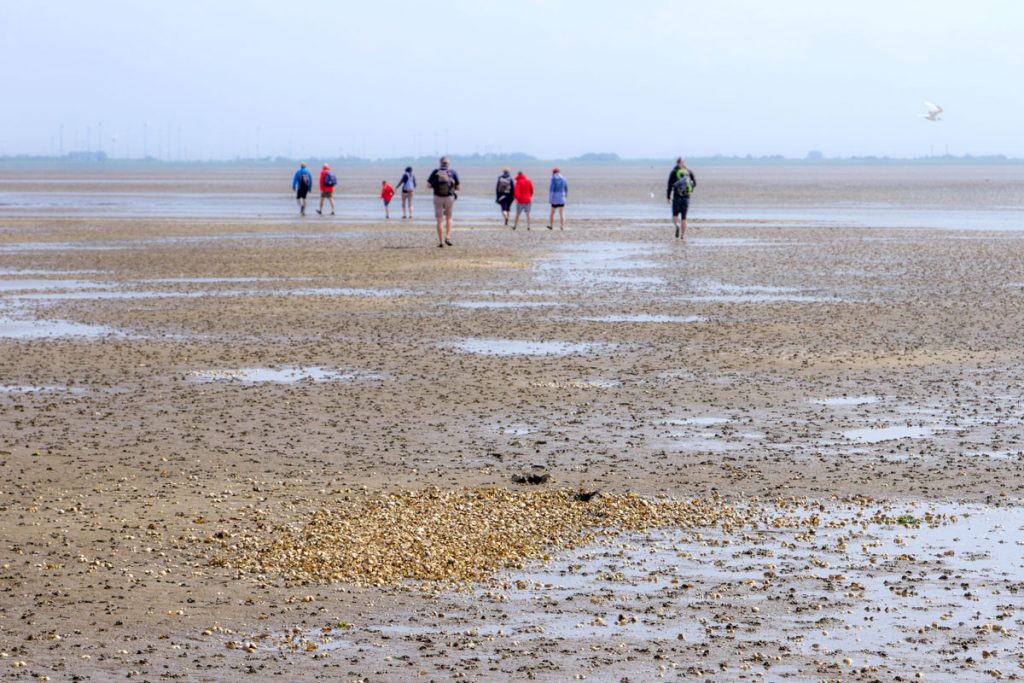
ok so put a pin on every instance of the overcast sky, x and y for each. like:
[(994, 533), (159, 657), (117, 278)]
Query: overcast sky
[(654, 78)]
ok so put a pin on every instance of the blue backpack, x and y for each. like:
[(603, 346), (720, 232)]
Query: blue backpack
[(330, 180)]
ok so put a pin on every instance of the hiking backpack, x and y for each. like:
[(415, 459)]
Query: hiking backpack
[(684, 183), (443, 183), (330, 180), (504, 185)]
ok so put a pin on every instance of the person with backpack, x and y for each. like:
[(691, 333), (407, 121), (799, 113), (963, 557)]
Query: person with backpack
[(444, 181), (504, 192), (681, 184), (387, 193), (558, 192), (328, 181), (524, 198), (302, 183), (408, 186)]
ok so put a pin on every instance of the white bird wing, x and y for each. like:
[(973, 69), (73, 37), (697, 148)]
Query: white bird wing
[(934, 108)]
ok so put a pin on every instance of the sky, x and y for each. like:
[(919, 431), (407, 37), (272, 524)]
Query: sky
[(194, 79)]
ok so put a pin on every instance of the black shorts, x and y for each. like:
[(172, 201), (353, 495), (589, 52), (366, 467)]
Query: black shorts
[(505, 202), (680, 205), (301, 193), (557, 206)]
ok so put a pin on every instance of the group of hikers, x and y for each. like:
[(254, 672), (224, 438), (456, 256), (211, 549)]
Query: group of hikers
[(445, 185)]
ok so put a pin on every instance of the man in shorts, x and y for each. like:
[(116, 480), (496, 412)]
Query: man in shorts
[(302, 183), (444, 181), (328, 181), (524, 198), (681, 184)]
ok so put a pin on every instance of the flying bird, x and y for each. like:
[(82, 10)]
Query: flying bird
[(934, 111)]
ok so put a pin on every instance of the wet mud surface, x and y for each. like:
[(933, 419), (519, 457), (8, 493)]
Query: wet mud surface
[(170, 386)]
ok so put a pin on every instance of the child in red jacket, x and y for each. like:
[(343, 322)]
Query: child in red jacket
[(386, 193)]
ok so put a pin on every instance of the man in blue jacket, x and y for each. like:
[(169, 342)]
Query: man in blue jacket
[(302, 183)]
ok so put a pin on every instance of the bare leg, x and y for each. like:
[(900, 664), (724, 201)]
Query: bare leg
[(321, 209), (440, 230), (682, 230), (448, 228), (332, 203), (387, 214), (675, 223), (551, 219), (561, 218)]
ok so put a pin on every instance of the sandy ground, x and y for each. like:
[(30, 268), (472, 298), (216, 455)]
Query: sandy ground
[(149, 416)]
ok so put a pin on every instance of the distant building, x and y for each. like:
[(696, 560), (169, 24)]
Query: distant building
[(815, 155)]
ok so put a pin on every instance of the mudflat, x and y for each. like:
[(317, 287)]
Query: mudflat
[(235, 442)]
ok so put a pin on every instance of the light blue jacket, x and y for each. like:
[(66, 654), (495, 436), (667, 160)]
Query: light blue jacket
[(559, 190)]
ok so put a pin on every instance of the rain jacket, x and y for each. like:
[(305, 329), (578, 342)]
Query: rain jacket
[(524, 190), (559, 190), (297, 180), (323, 186)]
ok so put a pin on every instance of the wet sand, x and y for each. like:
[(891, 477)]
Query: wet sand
[(171, 388)]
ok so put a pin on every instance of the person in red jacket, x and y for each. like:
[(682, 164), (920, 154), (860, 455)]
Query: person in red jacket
[(327, 183), (524, 198), (386, 193)]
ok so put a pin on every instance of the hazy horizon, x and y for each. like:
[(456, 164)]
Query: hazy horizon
[(553, 80)]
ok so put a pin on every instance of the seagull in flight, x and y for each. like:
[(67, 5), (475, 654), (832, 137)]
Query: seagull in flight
[(934, 111)]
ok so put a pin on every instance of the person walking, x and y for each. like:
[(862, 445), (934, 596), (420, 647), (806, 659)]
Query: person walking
[(328, 181), (524, 198), (444, 181), (302, 183), (558, 192), (408, 185), (504, 192), (387, 193), (681, 184)]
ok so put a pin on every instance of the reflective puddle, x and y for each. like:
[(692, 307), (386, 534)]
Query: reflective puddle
[(504, 304), (51, 329), (647, 318), (286, 375), (518, 347), (839, 401), (893, 433)]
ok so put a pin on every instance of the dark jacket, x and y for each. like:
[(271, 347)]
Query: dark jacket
[(674, 176), (511, 186)]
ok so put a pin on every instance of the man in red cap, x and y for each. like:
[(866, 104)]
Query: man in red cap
[(327, 184)]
